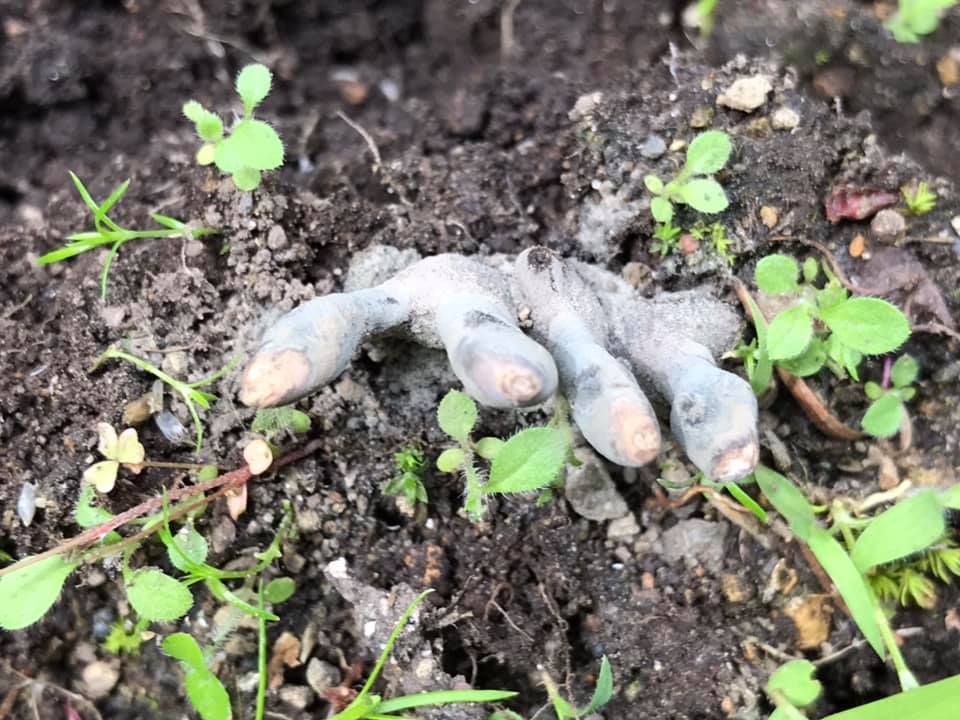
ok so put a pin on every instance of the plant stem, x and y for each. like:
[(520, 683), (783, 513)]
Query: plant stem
[(261, 655), (225, 482), (904, 675)]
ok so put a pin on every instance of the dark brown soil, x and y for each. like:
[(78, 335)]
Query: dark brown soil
[(479, 155)]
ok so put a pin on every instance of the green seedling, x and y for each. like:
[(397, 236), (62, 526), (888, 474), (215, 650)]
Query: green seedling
[(665, 237), (530, 461), (410, 464), (822, 326), (919, 198), (251, 146), (912, 525), (122, 640), (368, 706), (706, 155), (708, 487), (190, 393), (107, 232), (791, 687), (276, 421), (563, 708), (124, 449), (887, 411), (715, 235), (706, 11), (915, 18)]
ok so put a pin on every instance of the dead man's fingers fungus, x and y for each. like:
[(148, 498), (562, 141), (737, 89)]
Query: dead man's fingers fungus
[(606, 402), (446, 301)]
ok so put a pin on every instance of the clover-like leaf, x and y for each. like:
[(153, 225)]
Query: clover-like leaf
[(790, 333), (102, 475), (253, 85), (795, 680), (530, 460), (707, 153), (128, 451), (868, 325), (457, 415), (904, 371), (704, 194), (156, 596), (106, 440), (661, 209), (884, 416), (777, 274)]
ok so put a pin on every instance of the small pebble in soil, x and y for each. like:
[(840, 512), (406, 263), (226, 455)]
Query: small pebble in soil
[(784, 118), (296, 696), (623, 527), (321, 675), (701, 117), (769, 216), (99, 678), (746, 94), (27, 503), (591, 492), (696, 541), (888, 226), (653, 147)]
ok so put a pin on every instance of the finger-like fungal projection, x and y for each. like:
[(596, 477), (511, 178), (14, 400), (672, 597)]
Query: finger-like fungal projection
[(446, 301), (608, 348), (607, 404)]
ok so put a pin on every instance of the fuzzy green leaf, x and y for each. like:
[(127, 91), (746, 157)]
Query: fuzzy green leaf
[(653, 184), (807, 363), (181, 646), (488, 447), (450, 460), (158, 597), (787, 500), (790, 333), (850, 584), (868, 325), (777, 275), (950, 498), (457, 415), (884, 416), (795, 680), (708, 153), (873, 390), (904, 371), (27, 594), (811, 269), (192, 544), (85, 512), (246, 179), (661, 209), (530, 460), (252, 144), (208, 696), (279, 590), (909, 526), (704, 195), (253, 85)]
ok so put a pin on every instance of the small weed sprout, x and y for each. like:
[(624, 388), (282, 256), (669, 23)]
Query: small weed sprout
[(919, 198), (408, 481), (665, 238), (791, 687), (563, 708), (124, 449), (530, 461), (822, 326), (190, 393), (367, 706), (251, 146), (915, 18), (122, 640), (272, 422), (887, 411), (715, 234), (107, 232), (706, 155), (866, 545)]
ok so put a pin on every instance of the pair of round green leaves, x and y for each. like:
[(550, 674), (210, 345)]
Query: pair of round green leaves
[(706, 154)]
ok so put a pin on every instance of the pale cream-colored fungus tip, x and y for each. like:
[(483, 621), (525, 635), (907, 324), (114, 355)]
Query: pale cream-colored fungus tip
[(275, 378)]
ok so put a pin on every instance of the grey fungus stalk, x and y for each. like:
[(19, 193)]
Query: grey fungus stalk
[(607, 404), (446, 301), (607, 347)]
